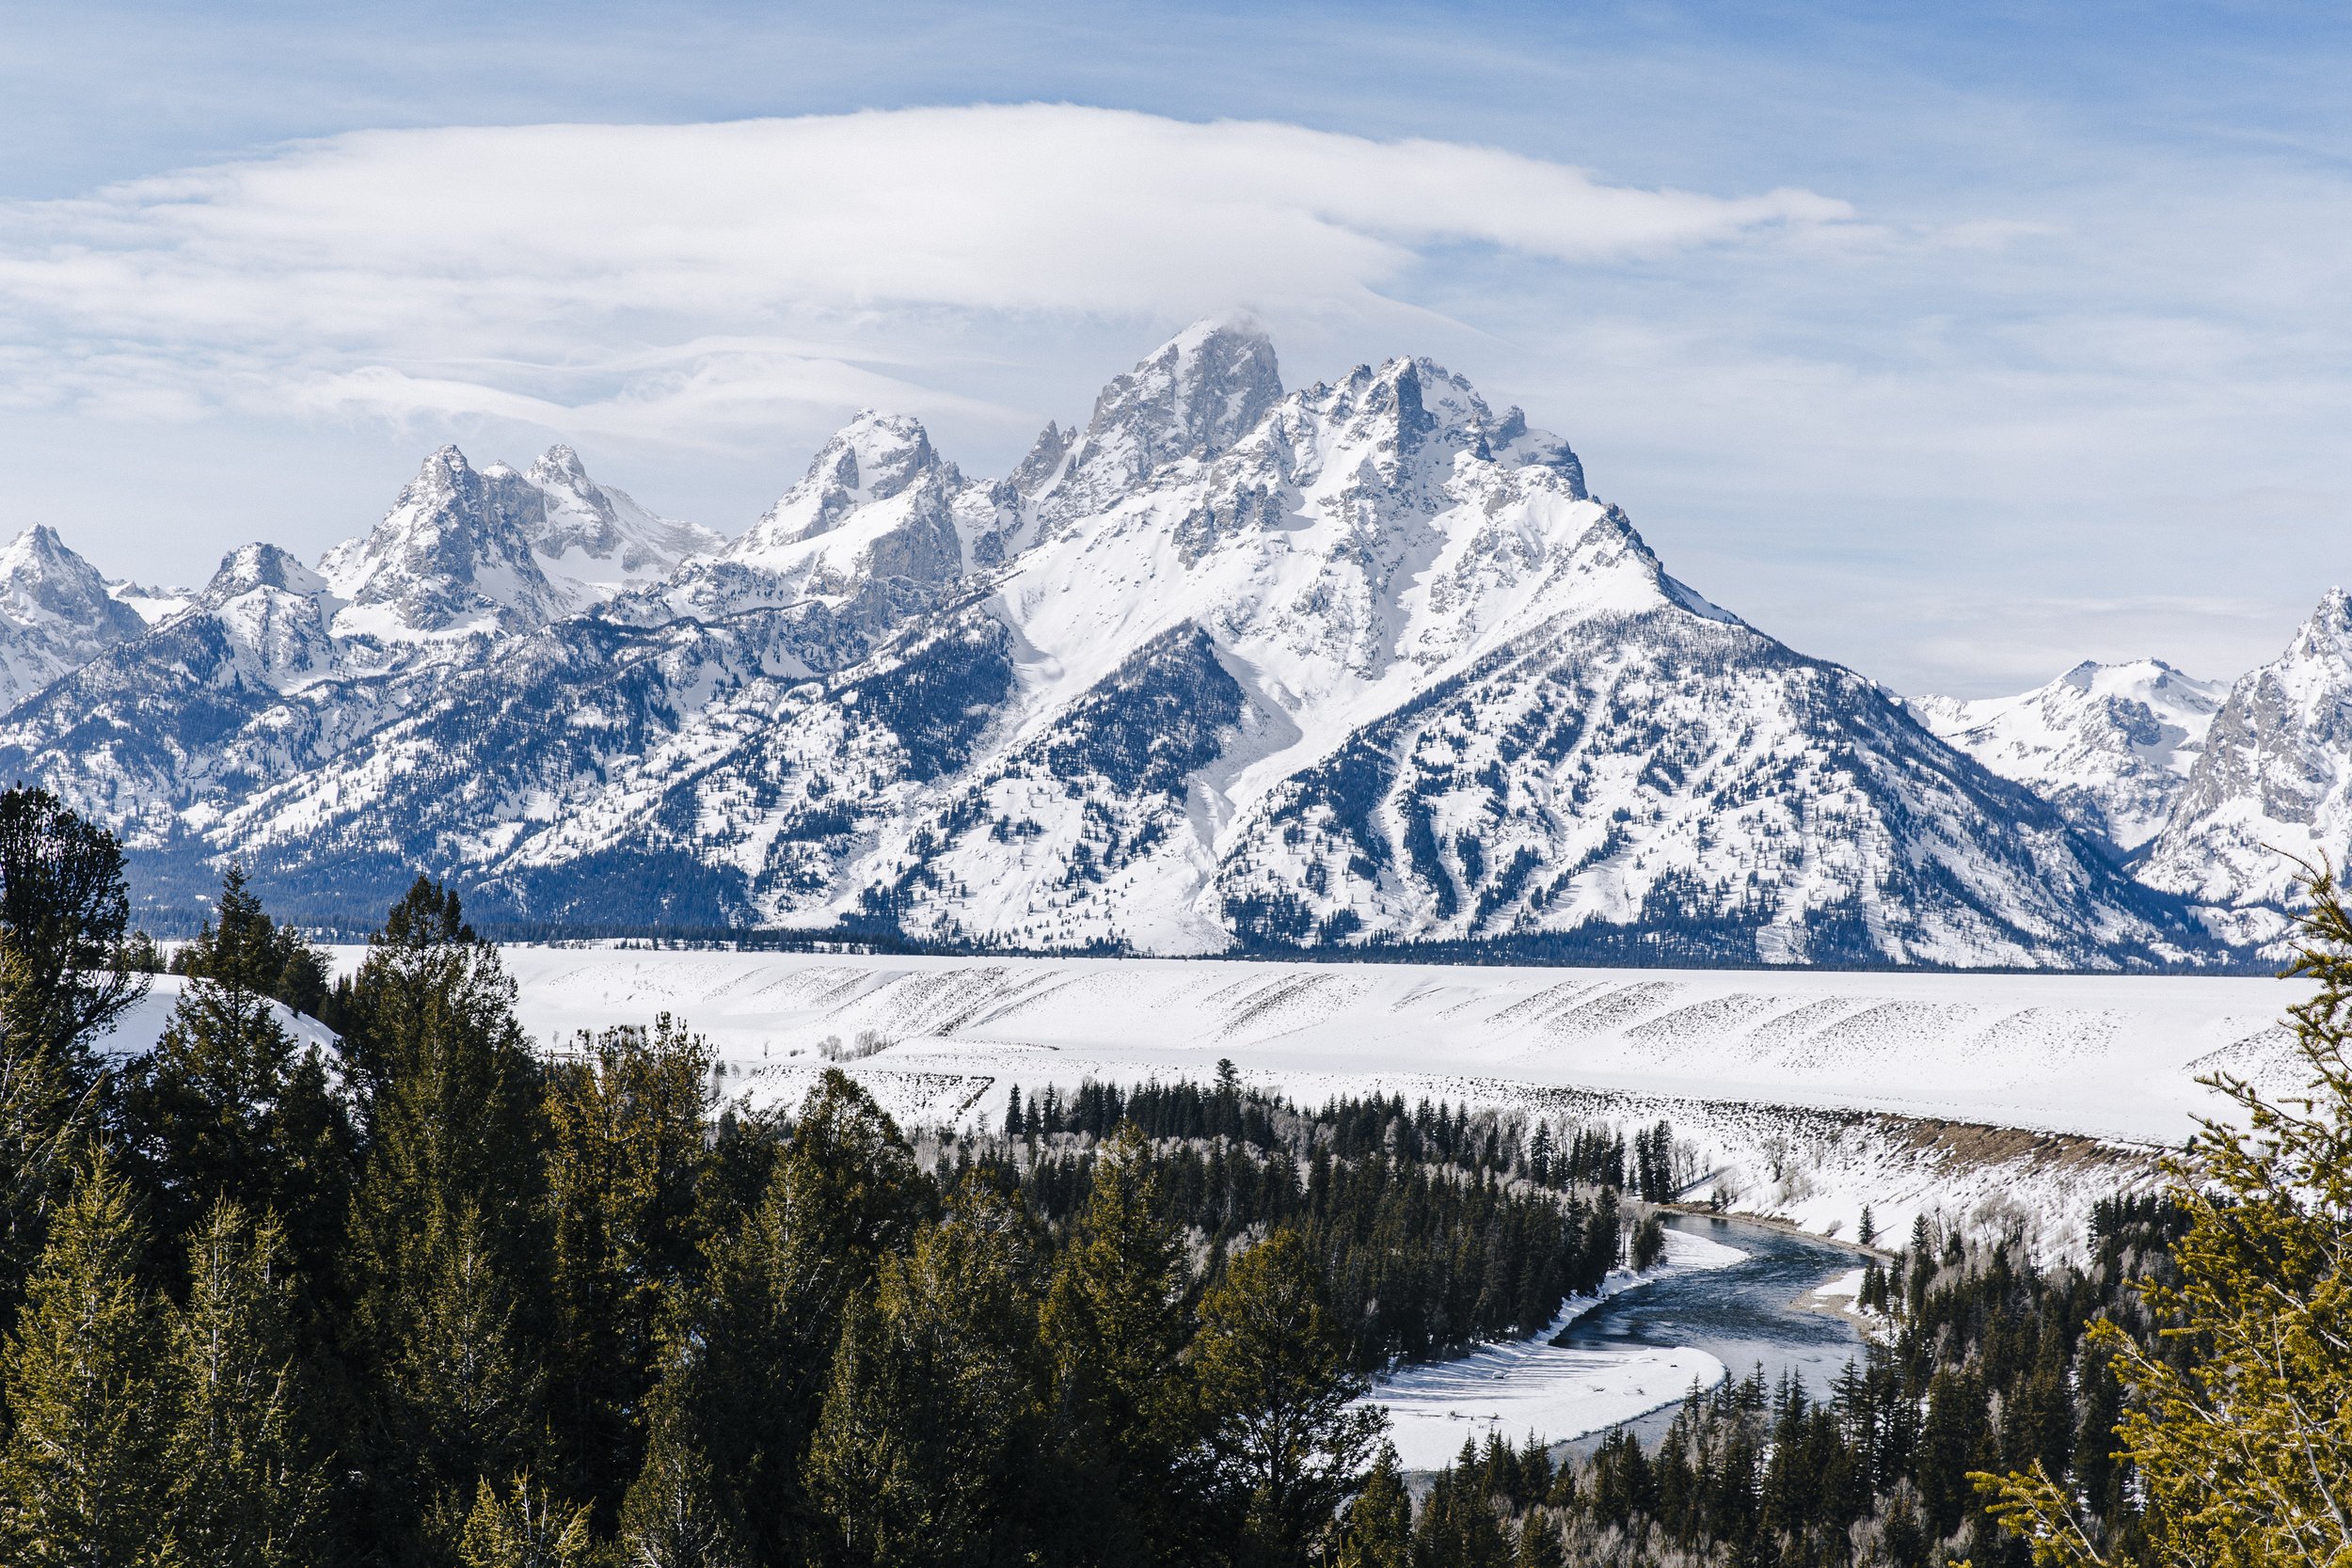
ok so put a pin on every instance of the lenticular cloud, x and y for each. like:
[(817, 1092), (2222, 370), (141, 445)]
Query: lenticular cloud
[(580, 265)]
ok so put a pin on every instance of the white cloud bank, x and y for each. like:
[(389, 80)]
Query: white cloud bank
[(672, 282)]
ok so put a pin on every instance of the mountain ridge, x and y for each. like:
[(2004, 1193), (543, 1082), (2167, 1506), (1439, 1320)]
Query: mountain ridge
[(1362, 665)]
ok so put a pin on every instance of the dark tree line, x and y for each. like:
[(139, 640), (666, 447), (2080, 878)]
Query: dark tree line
[(1431, 1236)]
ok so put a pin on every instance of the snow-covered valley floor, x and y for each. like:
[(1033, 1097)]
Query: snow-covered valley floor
[(1803, 1094)]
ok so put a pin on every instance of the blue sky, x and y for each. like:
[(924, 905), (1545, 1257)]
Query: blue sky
[(1954, 343)]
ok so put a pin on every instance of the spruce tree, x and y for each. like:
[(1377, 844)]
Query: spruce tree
[(244, 947), (81, 1475), (2240, 1430), (465, 1383), (758, 1336), (522, 1525), (932, 1414), (1288, 1446), (447, 1257), (1116, 1326), (204, 1113), (1540, 1545), (247, 1487), (626, 1150), (677, 1514), (66, 975), (1377, 1531)]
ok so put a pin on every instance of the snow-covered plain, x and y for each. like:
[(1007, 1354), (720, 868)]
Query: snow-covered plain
[(1534, 1386), (1802, 1094), (2107, 1056)]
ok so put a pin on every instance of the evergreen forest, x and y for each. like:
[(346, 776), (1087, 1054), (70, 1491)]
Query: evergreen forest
[(412, 1290)]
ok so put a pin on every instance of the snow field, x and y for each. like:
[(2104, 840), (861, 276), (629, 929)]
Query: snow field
[(1805, 1095)]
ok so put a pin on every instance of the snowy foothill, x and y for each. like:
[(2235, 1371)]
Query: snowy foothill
[(1533, 1388), (142, 1023)]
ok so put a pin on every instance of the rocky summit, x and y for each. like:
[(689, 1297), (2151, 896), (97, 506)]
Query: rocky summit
[(1354, 667)]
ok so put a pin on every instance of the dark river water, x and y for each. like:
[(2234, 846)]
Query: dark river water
[(1743, 1315)]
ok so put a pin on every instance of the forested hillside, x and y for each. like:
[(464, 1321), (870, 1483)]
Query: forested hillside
[(428, 1296)]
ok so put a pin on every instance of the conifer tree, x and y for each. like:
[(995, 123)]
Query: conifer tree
[(523, 1526), (1377, 1530), (626, 1148), (1115, 1327), (66, 975), (468, 1387), (1540, 1545), (64, 911), (1270, 1367), (216, 1111), (930, 1419), (244, 947), (447, 1253), (81, 1480), (763, 1329), (677, 1514), (2244, 1452), (247, 1489)]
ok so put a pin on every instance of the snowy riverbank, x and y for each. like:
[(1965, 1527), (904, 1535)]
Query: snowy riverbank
[(1533, 1385)]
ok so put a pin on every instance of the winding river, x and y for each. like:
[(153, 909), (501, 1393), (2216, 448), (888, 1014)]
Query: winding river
[(1745, 1315), (1724, 1303)]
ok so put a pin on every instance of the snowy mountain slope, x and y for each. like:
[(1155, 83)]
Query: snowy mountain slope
[(2111, 745), (246, 687), (1384, 560), (152, 605), (1669, 782), (2273, 781), (1359, 663), (591, 541), (56, 613)]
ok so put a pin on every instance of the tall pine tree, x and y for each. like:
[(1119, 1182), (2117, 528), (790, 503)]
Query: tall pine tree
[(66, 975), (447, 1253), (224, 1107), (1116, 1325), (928, 1440), (249, 1486), (81, 1475), (1271, 1368), (625, 1118)]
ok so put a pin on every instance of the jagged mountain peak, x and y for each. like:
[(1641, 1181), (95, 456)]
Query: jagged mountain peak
[(453, 557), (260, 565), (591, 540), (872, 458), (43, 582), (559, 464), (55, 613), (1194, 398), (2273, 786)]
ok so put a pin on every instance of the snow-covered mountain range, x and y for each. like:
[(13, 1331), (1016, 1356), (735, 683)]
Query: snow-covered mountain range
[(2111, 745), (1227, 667)]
